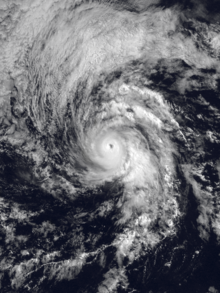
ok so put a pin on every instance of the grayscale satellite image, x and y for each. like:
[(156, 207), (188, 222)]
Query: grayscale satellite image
[(109, 146)]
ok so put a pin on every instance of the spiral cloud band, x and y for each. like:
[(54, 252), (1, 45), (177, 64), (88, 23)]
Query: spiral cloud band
[(109, 146)]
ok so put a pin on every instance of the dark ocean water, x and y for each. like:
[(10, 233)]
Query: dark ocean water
[(109, 147)]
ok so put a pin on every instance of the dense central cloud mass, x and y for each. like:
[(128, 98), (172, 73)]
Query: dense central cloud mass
[(109, 146), (108, 151)]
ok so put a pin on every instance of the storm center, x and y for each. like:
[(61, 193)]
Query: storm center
[(108, 150)]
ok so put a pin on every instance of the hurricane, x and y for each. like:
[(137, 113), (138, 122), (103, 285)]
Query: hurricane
[(109, 146)]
